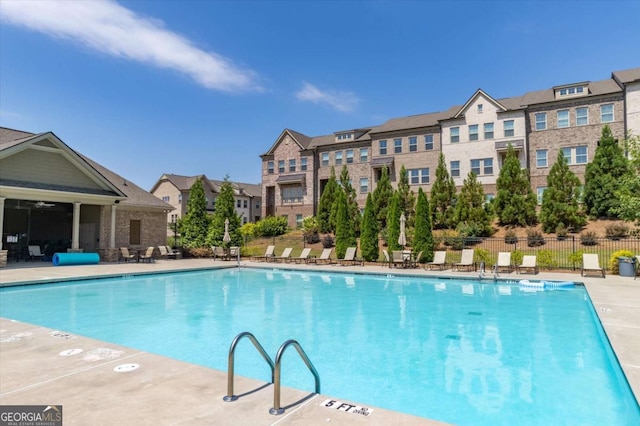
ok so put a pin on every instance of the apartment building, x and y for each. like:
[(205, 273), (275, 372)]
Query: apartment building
[(474, 137), (175, 189)]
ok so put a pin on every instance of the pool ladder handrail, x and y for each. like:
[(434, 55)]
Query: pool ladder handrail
[(277, 409), (230, 372)]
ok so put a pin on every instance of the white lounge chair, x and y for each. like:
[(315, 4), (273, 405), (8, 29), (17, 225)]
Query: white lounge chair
[(325, 257), (268, 254), (397, 259), (590, 262), (148, 255), (164, 253), (217, 252), (34, 252), (350, 257), (439, 260), (528, 262), (466, 260), (124, 252), (304, 256), (504, 261), (387, 260), (285, 256)]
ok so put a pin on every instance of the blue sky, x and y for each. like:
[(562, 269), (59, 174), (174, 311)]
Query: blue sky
[(191, 87)]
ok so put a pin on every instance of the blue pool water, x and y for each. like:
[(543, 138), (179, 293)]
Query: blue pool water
[(457, 351)]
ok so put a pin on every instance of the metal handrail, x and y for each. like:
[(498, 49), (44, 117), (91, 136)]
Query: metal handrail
[(276, 410), (232, 349)]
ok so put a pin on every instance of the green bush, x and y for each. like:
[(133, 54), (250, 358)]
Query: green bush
[(271, 226), (613, 260), (516, 257), (534, 238), (483, 255), (576, 258), (589, 239), (547, 259)]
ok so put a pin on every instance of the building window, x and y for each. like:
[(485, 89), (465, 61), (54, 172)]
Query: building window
[(344, 136), (413, 144), (179, 198), (428, 142), (540, 193), (455, 169), (292, 165), (383, 147), (238, 203), (166, 198), (582, 116), (541, 121), (349, 156), (280, 166), (508, 128), (135, 228), (364, 155), (473, 132), (488, 130), (397, 146), (244, 204), (484, 165), (541, 158), (244, 220), (479, 108), (291, 194), (418, 176), (338, 158), (455, 134), (606, 113), (563, 118), (325, 158), (364, 185), (298, 221), (303, 164), (270, 167), (575, 155), (581, 155), (489, 198)]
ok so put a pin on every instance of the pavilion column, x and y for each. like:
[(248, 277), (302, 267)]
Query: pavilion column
[(1, 219), (112, 229), (75, 234)]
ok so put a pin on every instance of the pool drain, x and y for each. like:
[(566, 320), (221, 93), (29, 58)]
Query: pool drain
[(70, 352), (125, 368)]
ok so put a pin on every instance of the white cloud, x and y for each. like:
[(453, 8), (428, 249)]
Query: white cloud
[(110, 28), (338, 100)]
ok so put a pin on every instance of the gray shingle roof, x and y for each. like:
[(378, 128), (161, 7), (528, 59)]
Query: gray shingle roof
[(602, 87), (627, 76)]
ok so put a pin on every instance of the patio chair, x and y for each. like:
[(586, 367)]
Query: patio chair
[(350, 257), (325, 257), (148, 255), (268, 254), (398, 259), (528, 262), (232, 253), (504, 261), (217, 252), (304, 256), (164, 253), (34, 252), (413, 260), (590, 262), (387, 261), (439, 260), (466, 260), (172, 252), (124, 252), (285, 256)]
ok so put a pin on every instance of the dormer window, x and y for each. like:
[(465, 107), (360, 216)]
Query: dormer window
[(344, 136), (569, 91)]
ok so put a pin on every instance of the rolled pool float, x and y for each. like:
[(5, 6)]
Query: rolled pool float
[(62, 259)]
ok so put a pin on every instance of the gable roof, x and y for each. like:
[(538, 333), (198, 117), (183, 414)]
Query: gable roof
[(602, 87), (626, 76), (303, 141), (475, 96)]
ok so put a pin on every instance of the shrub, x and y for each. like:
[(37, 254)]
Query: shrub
[(561, 231), (576, 257), (510, 237), (327, 241), (616, 231), (483, 255), (452, 239), (196, 252), (516, 257), (589, 239), (547, 259), (534, 238), (613, 260), (271, 226), (635, 232)]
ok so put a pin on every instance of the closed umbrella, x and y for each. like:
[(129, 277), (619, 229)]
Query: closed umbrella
[(227, 237), (402, 238)]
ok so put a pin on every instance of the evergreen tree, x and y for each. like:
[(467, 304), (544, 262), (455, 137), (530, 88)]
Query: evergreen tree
[(629, 193), (354, 210), (515, 202), (443, 197), (225, 209), (423, 236), (381, 198), (327, 200), (470, 213), (407, 197), (345, 236), (393, 222), (195, 224), (369, 234), (603, 177), (560, 199)]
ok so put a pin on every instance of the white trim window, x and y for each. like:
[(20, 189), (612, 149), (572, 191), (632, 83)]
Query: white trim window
[(298, 220), (484, 165), (364, 155), (397, 146), (383, 147), (291, 194), (488, 130), (303, 164), (455, 134), (508, 128), (541, 158), (606, 113), (541, 121), (473, 132), (325, 158), (428, 142), (338, 158), (455, 169), (364, 185), (270, 168), (280, 166), (349, 156), (419, 176), (582, 116), (292, 165), (563, 118), (540, 192), (576, 155), (413, 144), (166, 198)]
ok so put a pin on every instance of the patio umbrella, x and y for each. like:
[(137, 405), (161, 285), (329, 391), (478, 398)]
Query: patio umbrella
[(227, 237), (402, 238)]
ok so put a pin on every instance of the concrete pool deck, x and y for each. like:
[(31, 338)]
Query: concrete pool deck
[(167, 391)]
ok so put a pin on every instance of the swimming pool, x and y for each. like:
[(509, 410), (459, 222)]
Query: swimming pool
[(457, 351)]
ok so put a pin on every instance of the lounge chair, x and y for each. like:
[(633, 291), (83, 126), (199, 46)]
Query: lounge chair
[(413, 260), (439, 260), (34, 252), (466, 260), (325, 257), (217, 252), (590, 262), (387, 261), (232, 253), (172, 252), (350, 257), (148, 255), (285, 256), (124, 252), (504, 261), (304, 256), (397, 259), (165, 254), (268, 254), (528, 262)]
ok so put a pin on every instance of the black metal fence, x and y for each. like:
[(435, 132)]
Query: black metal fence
[(552, 253)]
